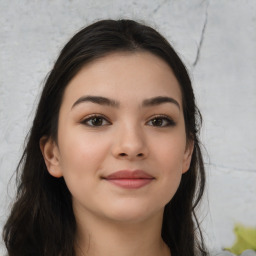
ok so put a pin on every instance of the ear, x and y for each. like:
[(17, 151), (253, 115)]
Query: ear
[(51, 156), (188, 156)]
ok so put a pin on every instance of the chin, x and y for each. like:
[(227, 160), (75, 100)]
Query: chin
[(134, 214)]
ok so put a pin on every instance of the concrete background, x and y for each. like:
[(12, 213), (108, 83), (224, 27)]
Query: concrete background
[(216, 39)]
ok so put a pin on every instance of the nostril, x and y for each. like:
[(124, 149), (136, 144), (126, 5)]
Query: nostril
[(125, 155)]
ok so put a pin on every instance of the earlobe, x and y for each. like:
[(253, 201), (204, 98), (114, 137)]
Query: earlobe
[(50, 153), (188, 156)]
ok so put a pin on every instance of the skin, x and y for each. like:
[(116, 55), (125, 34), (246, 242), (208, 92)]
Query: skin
[(129, 135)]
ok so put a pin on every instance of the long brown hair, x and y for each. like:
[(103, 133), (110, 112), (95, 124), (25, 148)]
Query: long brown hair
[(42, 220)]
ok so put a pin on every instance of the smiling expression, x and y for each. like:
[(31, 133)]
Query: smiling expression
[(122, 146)]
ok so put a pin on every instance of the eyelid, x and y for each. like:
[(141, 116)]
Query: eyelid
[(170, 120), (95, 115)]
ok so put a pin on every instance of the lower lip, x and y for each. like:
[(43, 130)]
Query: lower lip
[(130, 183)]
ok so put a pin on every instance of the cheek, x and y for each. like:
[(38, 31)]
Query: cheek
[(80, 160), (171, 152), (170, 165), (82, 149)]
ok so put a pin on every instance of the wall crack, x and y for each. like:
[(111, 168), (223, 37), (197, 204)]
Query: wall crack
[(202, 37), (159, 6)]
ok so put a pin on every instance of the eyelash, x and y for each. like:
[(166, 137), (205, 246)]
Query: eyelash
[(94, 116), (168, 121)]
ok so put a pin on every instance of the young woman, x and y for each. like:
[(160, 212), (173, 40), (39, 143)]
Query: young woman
[(112, 164)]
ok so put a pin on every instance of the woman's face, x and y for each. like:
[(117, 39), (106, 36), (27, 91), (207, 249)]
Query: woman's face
[(121, 138)]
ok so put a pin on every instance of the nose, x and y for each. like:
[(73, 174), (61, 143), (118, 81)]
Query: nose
[(130, 144)]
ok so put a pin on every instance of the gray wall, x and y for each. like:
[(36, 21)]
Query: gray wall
[(216, 39)]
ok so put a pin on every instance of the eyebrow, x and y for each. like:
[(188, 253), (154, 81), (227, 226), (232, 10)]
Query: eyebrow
[(112, 103), (98, 100), (159, 100)]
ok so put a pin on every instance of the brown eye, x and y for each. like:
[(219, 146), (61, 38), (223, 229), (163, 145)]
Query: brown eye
[(157, 122), (95, 121), (161, 121)]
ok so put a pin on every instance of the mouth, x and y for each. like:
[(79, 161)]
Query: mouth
[(129, 179)]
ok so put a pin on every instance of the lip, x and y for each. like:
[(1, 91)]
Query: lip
[(130, 179)]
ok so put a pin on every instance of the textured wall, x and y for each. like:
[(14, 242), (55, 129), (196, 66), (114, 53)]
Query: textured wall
[(215, 38)]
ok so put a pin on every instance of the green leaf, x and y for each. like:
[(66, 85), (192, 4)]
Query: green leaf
[(245, 239)]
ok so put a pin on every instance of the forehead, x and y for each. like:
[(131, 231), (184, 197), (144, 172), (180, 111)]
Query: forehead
[(125, 75)]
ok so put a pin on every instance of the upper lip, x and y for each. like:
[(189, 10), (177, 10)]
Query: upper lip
[(129, 174)]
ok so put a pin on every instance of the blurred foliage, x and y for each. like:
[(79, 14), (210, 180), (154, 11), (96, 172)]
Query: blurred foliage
[(245, 239)]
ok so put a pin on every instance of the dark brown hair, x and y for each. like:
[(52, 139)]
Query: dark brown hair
[(42, 220)]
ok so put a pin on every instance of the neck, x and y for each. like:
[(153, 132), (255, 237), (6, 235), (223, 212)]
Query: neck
[(96, 236)]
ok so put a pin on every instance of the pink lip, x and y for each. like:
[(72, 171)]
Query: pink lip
[(130, 179)]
